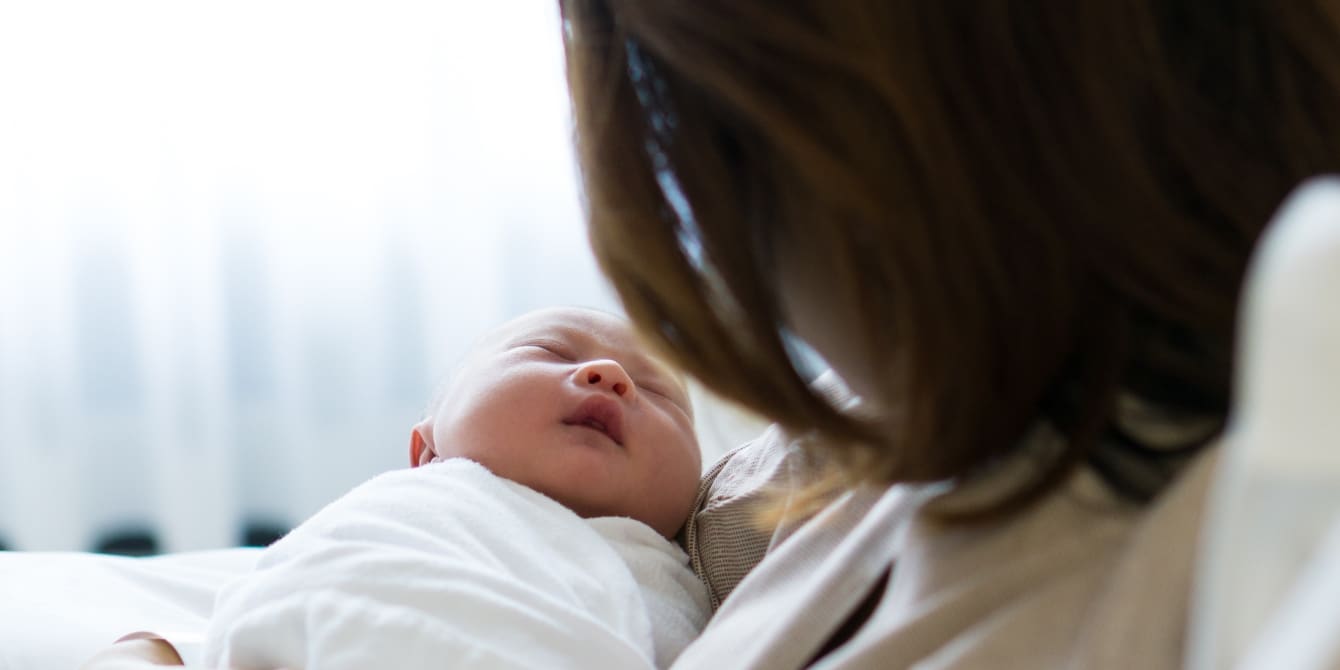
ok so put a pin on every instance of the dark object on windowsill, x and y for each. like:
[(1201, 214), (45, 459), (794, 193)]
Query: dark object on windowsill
[(262, 534), (134, 542)]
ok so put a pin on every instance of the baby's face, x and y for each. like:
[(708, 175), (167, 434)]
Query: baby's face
[(567, 402)]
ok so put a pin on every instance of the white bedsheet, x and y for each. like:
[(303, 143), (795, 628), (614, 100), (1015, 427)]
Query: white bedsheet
[(59, 608)]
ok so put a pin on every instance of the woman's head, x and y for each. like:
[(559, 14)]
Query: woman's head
[(982, 213)]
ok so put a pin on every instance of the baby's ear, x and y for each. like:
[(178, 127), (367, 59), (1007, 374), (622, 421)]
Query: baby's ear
[(421, 449)]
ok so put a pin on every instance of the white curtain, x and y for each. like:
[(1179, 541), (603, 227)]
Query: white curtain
[(240, 242)]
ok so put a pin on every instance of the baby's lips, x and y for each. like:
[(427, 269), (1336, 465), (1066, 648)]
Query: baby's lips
[(603, 411)]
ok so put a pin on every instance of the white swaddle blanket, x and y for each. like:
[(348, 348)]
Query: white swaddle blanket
[(447, 565)]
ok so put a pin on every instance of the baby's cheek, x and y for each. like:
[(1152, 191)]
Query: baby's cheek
[(682, 473)]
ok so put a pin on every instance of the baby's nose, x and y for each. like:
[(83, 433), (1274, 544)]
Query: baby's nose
[(608, 375)]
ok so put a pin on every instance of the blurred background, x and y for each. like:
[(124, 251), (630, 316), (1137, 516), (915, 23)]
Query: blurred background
[(241, 242)]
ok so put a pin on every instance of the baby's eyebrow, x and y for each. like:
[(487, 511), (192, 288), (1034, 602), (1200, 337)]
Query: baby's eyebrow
[(545, 339), (566, 334)]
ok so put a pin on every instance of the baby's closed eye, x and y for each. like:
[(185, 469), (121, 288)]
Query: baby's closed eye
[(554, 348)]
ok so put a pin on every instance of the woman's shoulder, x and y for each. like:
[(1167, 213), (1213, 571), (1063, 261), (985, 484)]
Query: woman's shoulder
[(724, 536), (734, 523), (1071, 577)]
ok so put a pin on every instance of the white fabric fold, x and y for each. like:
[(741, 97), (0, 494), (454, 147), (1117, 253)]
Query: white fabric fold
[(449, 565)]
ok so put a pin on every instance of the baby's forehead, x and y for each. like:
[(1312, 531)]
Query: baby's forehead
[(572, 321)]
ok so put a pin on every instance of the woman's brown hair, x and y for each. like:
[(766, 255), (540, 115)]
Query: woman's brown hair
[(1036, 206)]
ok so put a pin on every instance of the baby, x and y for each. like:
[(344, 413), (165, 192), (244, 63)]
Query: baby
[(566, 402), (533, 529)]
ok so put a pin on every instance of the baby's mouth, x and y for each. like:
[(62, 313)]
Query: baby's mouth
[(600, 414), (596, 424)]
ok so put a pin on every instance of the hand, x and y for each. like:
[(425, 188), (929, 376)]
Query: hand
[(134, 655)]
